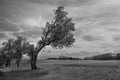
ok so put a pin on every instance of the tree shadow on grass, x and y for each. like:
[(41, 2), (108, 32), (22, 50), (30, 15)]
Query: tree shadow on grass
[(38, 74), (2, 76), (26, 74)]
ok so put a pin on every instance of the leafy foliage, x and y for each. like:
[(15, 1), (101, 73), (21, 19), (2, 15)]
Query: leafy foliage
[(58, 33), (13, 49), (6, 52)]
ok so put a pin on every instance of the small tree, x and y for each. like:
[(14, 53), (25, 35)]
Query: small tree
[(58, 34), (7, 51), (19, 47)]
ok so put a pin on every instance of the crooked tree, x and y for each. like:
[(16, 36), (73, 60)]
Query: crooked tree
[(57, 33)]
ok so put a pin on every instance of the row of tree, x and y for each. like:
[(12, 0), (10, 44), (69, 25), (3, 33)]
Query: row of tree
[(106, 56), (57, 33), (64, 58)]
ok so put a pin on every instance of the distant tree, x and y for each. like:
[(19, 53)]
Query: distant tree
[(58, 34), (118, 56), (106, 56)]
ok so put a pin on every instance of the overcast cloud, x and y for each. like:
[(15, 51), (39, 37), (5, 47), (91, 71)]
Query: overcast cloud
[(97, 22)]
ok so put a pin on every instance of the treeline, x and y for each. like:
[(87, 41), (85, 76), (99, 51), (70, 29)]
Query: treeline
[(106, 56), (64, 58)]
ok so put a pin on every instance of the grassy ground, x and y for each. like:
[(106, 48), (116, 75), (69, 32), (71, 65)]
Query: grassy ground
[(65, 70)]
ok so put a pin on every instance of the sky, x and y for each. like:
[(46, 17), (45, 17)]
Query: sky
[(97, 23)]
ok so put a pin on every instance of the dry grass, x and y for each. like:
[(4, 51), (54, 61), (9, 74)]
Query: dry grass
[(66, 70)]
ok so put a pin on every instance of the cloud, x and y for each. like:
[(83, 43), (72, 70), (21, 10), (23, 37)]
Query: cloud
[(116, 38), (3, 36), (92, 38), (97, 21), (64, 2), (6, 25), (31, 32)]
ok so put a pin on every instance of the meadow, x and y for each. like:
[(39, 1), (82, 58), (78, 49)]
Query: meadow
[(64, 70)]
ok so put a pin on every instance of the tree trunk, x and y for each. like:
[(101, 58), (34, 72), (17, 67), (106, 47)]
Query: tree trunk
[(33, 62), (34, 58), (18, 63), (7, 63)]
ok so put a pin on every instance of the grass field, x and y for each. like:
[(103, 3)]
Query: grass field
[(65, 70)]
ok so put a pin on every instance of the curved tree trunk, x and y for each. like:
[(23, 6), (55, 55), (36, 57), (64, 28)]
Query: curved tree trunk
[(34, 58), (33, 62)]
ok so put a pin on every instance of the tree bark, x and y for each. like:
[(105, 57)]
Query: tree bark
[(18, 63), (34, 58), (33, 62), (7, 63)]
